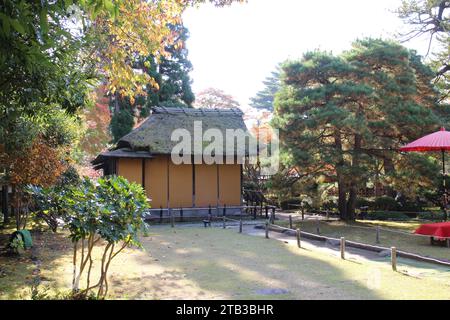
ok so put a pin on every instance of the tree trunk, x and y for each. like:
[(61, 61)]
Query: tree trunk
[(388, 170), (5, 209), (342, 192), (351, 203), (354, 184)]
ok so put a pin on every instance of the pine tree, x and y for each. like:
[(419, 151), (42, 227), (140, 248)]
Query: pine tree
[(339, 117), (265, 97)]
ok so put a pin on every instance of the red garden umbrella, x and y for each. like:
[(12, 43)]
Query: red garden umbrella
[(437, 141)]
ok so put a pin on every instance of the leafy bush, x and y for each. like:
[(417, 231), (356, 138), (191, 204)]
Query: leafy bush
[(329, 205), (111, 210), (387, 215), (363, 202), (285, 204), (386, 203), (69, 177), (411, 206), (431, 216)]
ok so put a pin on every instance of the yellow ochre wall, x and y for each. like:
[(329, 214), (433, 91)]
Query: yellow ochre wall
[(156, 181), (180, 182), (205, 185), (230, 184), (131, 169), (180, 185)]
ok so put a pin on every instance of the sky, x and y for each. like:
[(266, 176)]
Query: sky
[(234, 48)]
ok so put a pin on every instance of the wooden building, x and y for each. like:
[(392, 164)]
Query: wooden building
[(144, 156)]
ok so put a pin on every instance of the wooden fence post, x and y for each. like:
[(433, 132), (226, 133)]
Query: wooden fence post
[(224, 222), (378, 235), (290, 221), (317, 226), (267, 230), (299, 244), (342, 248), (394, 258), (240, 225)]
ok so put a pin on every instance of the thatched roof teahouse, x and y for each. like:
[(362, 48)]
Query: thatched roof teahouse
[(144, 156)]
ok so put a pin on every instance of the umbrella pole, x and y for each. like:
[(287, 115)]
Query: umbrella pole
[(444, 189)]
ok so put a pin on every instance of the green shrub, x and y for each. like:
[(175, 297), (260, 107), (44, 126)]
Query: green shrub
[(410, 206), (387, 215), (363, 202), (433, 216), (285, 204), (111, 210), (386, 203)]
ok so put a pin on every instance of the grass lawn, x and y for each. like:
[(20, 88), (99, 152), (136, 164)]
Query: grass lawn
[(212, 263), (411, 243)]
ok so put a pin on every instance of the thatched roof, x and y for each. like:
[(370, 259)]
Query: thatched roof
[(154, 134)]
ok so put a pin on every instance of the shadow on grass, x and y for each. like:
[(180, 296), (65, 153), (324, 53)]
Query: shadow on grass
[(222, 264)]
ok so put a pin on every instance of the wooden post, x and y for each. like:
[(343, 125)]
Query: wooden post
[(303, 213), (394, 258), (267, 230), (224, 210), (172, 218), (317, 226), (181, 214), (378, 235), (342, 248), (299, 244), (160, 214), (224, 222), (240, 225), (209, 210), (290, 221)]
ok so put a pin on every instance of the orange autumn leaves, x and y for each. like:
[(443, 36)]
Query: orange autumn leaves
[(39, 164)]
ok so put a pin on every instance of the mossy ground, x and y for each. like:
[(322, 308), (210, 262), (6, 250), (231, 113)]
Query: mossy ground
[(213, 263)]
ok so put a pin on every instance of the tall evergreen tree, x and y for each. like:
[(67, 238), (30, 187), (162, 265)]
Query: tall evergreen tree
[(171, 74), (122, 120), (265, 97), (341, 116)]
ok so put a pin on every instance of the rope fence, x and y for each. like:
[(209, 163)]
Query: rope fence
[(394, 252)]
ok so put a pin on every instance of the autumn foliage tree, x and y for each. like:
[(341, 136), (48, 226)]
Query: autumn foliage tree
[(214, 98)]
